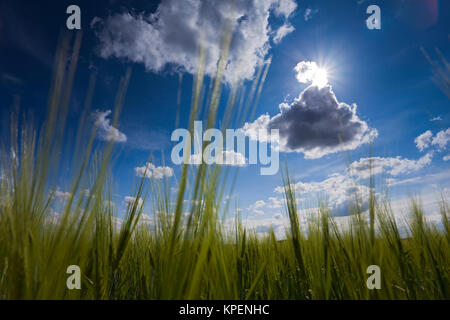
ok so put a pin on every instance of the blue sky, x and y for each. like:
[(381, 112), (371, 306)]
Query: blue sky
[(383, 72)]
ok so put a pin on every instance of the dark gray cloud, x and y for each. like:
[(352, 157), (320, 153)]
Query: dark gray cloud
[(175, 32), (315, 124)]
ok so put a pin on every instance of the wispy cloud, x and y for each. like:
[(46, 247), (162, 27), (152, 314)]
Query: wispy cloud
[(438, 118), (106, 131), (309, 13)]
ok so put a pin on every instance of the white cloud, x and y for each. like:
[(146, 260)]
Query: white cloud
[(285, 7), (276, 203), (446, 158), (61, 195), (150, 170), (226, 158), (173, 34), (257, 212), (430, 179), (340, 191), (438, 118), (261, 226), (309, 72), (442, 138), (232, 158), (423, 141), (257, 205), (395, 182), (426, 139), (400, 209), (364, 167), (343, 192), (147, 221), (130, 201), (106, 131), (309, 13), (283, 31)]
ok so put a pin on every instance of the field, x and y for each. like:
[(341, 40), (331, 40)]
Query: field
[(193, 255)]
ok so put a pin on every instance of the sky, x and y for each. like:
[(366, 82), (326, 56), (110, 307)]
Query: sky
[(341, 95)]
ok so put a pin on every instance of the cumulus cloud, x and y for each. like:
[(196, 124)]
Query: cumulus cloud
[(225, 158), (426, 140), (150, 170), (284, 7), (446, 158), (276, 203), (364, 167), (256, 207), (441, 139), (130, 201), (106, 131), (309, 72), (423, 141), (232, 158), (61, 195), (315, 124), (341, 192), (173, 34), (261, 226), (344, 191), (261, 207)]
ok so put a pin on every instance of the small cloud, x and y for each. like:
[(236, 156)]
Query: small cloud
[(309, 13), (446, 158), (61, 195), (309, 72), (276, 203), (150, 170), (423, 141), (232, 158), (106, 131), (442, 138), (366, 167), (256, 207), (258, 212), (438, 118), (283, 31), (130, 201), (426, 140)]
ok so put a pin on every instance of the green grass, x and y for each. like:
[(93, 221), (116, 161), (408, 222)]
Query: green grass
[(191, 256)]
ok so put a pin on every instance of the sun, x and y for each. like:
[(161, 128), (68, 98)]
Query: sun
[(320, 78)]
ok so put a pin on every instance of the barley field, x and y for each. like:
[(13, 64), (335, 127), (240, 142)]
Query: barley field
[(189, 253)]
